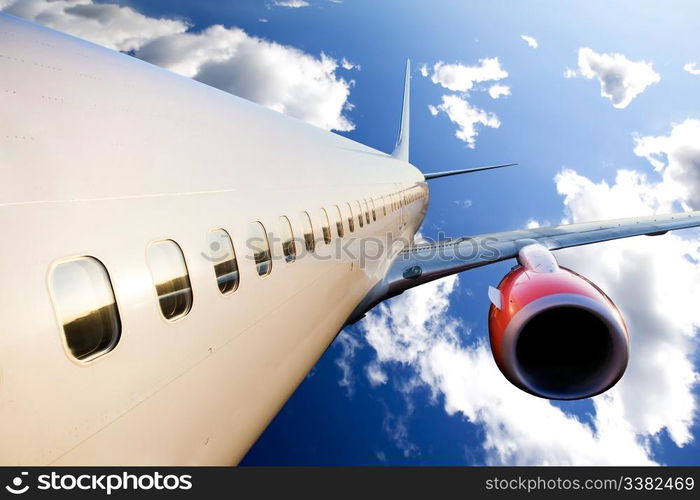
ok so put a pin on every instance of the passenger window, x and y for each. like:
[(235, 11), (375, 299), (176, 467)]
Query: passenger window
[(326, 227), (366, 210), (339, 222), (257, 242), (374, 209), (383, 205), (289, 247), (223, 257), (351, 220), (86, 308), (308, 232), (171, 278), (359, 214)]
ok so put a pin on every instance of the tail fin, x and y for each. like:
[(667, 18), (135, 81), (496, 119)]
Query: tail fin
[(401, 149)]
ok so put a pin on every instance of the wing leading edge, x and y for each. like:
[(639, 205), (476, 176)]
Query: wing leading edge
[(427, 262)]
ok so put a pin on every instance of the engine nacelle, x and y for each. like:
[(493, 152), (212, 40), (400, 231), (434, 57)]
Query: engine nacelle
[(553, 333)]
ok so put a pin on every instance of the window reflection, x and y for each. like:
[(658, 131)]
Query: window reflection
[(339, 222), (351, 220), (257, 241), (288, 246), (308, 232), (171, 279), (326, 226), (85, 306), (223, 257)]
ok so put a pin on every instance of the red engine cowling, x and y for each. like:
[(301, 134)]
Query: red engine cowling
[(553, 333)]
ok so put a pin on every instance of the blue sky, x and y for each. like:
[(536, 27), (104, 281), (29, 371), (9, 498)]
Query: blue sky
[(434, 398)]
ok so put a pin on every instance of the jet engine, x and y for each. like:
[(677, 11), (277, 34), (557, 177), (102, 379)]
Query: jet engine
[(553, 333)]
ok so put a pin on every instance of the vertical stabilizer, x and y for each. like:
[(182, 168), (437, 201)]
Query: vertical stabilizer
[(401, 149)]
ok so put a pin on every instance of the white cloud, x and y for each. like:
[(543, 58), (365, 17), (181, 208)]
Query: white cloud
[(692, 68), (263, 20), (530, 41), (621, 80), (570, 73), (291, 4), (375, 374), (677, 157), (465, 116), (532, 224), (280, 77), (348, 345), (654, 280), (415, 330), (498, 90), (466, 203), (462, 77), (110, 25), (349, 65)]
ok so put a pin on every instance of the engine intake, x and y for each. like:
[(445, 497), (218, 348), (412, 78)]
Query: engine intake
[(553, 333)]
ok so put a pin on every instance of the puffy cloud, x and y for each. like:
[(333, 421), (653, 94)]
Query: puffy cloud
[(416, 330), (462, 77), (655, 282), (530, 41), (677, 156), (291, 4), (280, 77), (532, 224), (465, 116), (692, 68), (621, 80), (110, 25), (498, 90)]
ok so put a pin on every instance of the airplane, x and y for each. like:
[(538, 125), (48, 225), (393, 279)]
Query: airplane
[(176, 259)]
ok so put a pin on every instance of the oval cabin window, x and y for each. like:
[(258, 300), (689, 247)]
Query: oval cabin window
[(309, 240), (171, 279), (351, 220), (359, 214), (339, 222), (326, 227), (223, 258), (257, 241), (86, 308), (287, 236)]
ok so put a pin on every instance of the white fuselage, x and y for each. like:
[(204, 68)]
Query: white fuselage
[(102, 154)]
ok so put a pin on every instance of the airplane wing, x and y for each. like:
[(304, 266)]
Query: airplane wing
[(422, 263)]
